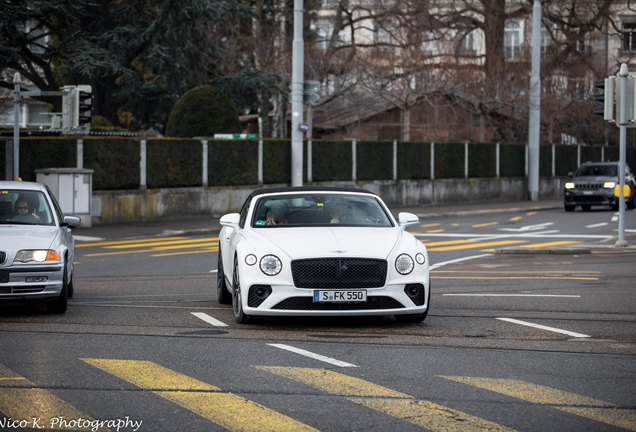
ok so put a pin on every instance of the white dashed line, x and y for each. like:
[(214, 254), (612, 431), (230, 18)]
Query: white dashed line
[(552, 329), (208, 319), (597, 225), (313, 355)]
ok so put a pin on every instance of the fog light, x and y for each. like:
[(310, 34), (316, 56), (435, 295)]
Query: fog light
[(37, 279)]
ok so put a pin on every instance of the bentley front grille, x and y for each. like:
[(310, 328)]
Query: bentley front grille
[(339, 273)]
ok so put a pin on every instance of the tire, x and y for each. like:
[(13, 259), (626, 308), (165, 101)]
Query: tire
[(222, 293), (60, 303), (569, 208), (631, 204), (237, 300), (417, 318), (71, 288)]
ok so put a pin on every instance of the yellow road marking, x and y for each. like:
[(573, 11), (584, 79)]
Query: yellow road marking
[(478, 245), (541, 245), (227, 410), (435, 231), (565, 401), (25, 402), (186, 253), (515, 277), (126, 242), (426, 414), (531, 213), (449, 242), (163, 243), (429, 225), (516, 272), (156, 249), (515, 218), (485, 224)]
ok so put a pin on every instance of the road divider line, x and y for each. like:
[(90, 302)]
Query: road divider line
[(208, 319), (572, 403), (476, 245), (443, 263), (225, 409), (425, 414), (542, 327), (545, 245), (313, 355), (515, 277), (514, 295), (597, 225), (120, 242), (165, 243)]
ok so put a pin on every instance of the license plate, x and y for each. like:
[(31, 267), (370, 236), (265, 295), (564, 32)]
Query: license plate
[(339, 296), (588, 192)]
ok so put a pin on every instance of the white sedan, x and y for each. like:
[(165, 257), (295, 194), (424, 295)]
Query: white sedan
[(36, 246), (309, 251)]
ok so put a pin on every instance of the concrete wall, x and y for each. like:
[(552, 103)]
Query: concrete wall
[(156, 204)]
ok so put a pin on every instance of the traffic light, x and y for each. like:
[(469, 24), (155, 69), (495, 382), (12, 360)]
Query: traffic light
[(607, 98), (82, 107)]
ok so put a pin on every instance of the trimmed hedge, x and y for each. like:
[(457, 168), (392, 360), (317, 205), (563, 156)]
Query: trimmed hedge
[(172, 163)]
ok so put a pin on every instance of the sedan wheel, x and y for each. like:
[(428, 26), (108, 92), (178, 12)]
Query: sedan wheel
[(60, 303), (237, 303), (222, 294)]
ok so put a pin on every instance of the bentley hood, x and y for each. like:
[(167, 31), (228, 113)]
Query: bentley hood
[(317, 242)]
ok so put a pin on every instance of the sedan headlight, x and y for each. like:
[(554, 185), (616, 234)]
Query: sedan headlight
[(41, 255), (404, 264), (609, 185), (569, 185), (271, 265)]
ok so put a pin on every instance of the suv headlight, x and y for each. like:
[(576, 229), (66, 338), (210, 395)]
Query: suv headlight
[(271, 265), (569, 185), (609, 185)]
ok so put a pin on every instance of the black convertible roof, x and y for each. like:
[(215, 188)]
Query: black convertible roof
[(313, 189)]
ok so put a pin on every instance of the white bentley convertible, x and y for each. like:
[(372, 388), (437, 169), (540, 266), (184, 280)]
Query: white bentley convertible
[(308, 251)]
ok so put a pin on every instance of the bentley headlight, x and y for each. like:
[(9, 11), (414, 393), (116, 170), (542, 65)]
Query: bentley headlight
[(271, 265), (609, 185), (404, 264), (420, 258), (250, 260), (569, 185), (41, 255)]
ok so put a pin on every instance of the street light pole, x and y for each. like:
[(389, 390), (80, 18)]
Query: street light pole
[(623, 74), (297, 96), (17, 80), (534, 126)]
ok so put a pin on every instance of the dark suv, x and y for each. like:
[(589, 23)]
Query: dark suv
[(596, 183)]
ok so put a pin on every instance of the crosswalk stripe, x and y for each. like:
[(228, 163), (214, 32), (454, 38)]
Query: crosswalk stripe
[(21, 401), (426, 414), (477, 245), (598, 410), (227, 410)]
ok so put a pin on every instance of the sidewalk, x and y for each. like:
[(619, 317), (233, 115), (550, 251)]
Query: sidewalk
[(210, 225)]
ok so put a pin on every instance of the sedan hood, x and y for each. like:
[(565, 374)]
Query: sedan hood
[(316, 242), (18, 237)]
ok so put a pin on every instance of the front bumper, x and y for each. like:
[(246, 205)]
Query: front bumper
[(600, 197), (14, 286)]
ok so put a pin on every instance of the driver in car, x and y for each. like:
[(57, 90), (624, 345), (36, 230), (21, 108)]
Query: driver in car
[(22, 207)]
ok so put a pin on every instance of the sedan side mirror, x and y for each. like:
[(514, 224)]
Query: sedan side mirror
[(71, 221), (230, 220), (405, 219)]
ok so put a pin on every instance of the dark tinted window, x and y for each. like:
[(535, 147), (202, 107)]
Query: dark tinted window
[(597, 170)]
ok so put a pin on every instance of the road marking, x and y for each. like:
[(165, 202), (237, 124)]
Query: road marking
[(128, 241), (517, 271), (164, 243), (156, 249), (429, 225), (531, 213), (435, 231), (597, 225), (477, 245), (208, 319), (542, 327), (543, 245), (449, 242), (443, 263), (86, 238), (528, 227), (598, 410), (515, 218), (542, 234), (22, 401), (515, 277), (187, 253), (425, 414), (313, 355), (485, 224), (227, 410), (513, 295)]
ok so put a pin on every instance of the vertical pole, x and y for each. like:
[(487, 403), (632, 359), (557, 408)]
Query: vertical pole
[(432, 160), (354, 161), (624, 72), (578, 155), (310, 172), (394, 159), (297, 96), (9, 159), (603, 153), (535, 105), (527, 159), (498, 159), (553, 160), (466, 160), (142, 164), (80, 152), (16, 126), (260, 162), (204, 170)]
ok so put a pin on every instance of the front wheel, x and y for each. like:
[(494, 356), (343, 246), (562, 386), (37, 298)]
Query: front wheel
[(222, 294), (237, 301), (60, 303)]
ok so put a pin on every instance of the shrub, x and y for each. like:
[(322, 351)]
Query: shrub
[(202, 112)]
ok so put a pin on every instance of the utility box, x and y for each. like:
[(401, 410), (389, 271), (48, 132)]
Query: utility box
[(73, 188)]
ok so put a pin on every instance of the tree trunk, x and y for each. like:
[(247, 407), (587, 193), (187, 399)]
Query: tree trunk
[(494, 23)]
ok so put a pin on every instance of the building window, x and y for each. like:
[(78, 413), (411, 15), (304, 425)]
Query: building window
[(629, 34), (512, 41)]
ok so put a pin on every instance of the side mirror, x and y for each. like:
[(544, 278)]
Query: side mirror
[(71, 221), (405, 219), (230, 220)]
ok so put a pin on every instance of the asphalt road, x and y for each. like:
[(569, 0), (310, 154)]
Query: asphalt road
[(514, 341)]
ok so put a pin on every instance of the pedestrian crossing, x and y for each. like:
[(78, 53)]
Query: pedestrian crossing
[(25, 405)]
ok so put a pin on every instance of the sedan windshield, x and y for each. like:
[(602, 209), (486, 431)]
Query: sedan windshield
[(597, 170), (24, 208), (312, 209)]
